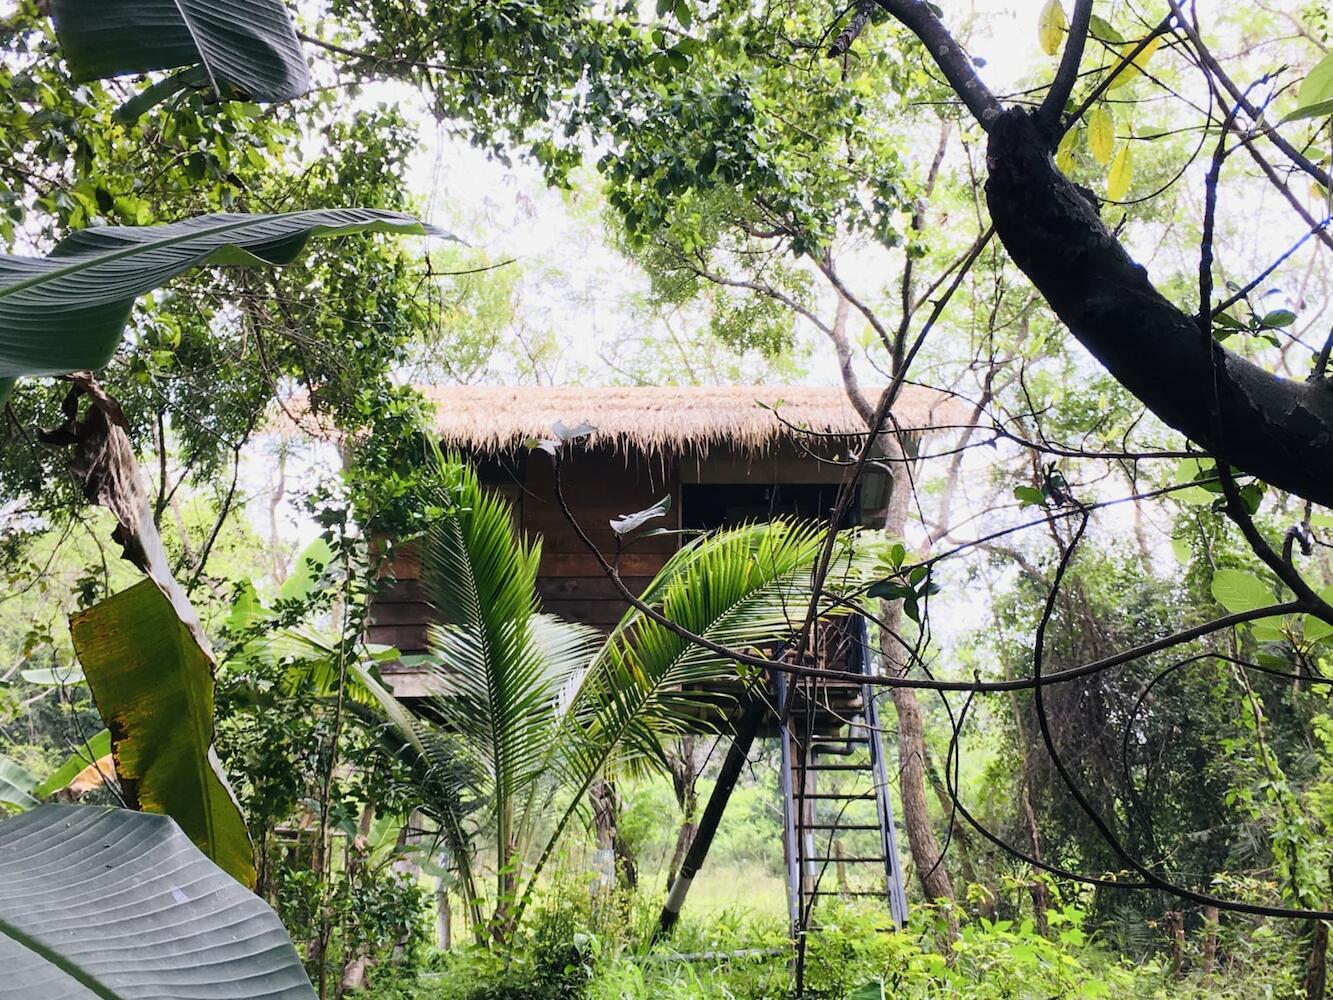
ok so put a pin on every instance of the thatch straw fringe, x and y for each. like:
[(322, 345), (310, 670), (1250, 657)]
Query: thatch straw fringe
[(667, 418)]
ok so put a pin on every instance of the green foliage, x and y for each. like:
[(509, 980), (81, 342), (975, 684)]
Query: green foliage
[(1314, 99), (544, 707), (575, 949)]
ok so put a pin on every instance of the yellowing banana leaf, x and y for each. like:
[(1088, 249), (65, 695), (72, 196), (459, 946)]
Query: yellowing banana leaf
[(153, 685)]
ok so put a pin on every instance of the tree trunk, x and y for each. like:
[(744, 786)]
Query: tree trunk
[(610, 845), (682, 760), (961, 840), (1037, 888), (935, 881), (925, 848), (1175, 929), (1209, 940), (1316, 967)]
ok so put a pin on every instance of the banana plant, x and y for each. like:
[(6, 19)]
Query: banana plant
[(544, 707), (64, 314), (152, 681)]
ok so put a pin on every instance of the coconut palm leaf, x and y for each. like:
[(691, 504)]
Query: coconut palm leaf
[(243, 48), (746, 587), (743, 588), (505, 668), (503, 689), (66, 312)]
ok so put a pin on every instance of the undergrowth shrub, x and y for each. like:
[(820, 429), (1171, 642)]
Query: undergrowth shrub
[(581, 946)]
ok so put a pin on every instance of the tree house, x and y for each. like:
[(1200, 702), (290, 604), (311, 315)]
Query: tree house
[(723, 455)]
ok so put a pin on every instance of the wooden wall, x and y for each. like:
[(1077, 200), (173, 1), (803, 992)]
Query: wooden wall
[(598, 485)]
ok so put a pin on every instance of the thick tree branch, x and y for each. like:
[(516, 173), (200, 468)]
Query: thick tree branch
[(1277, 429), (954, 63), (1067, 75)]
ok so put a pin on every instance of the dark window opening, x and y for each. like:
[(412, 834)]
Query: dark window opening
[(705, 506)]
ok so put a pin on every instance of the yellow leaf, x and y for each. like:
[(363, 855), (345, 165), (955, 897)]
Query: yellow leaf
[(1064, 153), (1121, 173), (1101, 134), (92, 776), (1051, 27), (1131, 71)]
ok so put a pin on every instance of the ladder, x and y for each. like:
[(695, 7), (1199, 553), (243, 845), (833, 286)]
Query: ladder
[(838, 829)]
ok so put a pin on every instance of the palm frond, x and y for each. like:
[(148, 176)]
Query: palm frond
[(748, 588), (481, 577)]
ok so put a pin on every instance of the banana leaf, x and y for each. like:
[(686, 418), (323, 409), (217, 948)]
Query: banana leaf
[(107, 904)]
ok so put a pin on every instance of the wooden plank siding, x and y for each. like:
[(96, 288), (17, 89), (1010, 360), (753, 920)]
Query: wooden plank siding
[(598, 485)]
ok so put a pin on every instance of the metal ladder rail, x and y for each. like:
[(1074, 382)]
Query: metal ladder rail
[(893, 871), (792, 852)]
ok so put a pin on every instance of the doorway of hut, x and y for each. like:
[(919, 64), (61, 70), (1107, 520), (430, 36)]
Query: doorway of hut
[(707, 506)]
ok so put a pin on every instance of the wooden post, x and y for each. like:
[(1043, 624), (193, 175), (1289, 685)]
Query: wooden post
[(708, 823), (1316, 966), (1175, 928), (1210, 918)]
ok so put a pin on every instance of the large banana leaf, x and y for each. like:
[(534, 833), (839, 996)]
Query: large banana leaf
[(153, 685), (66, 312), (246, 48), (107, 904)]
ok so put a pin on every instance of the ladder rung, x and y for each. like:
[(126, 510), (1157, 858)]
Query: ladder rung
[(850, 861), (837, 741), (839, 796), (837, 826), (847, 892), (835, 767)]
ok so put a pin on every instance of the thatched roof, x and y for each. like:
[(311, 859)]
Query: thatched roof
[(667, 418)]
